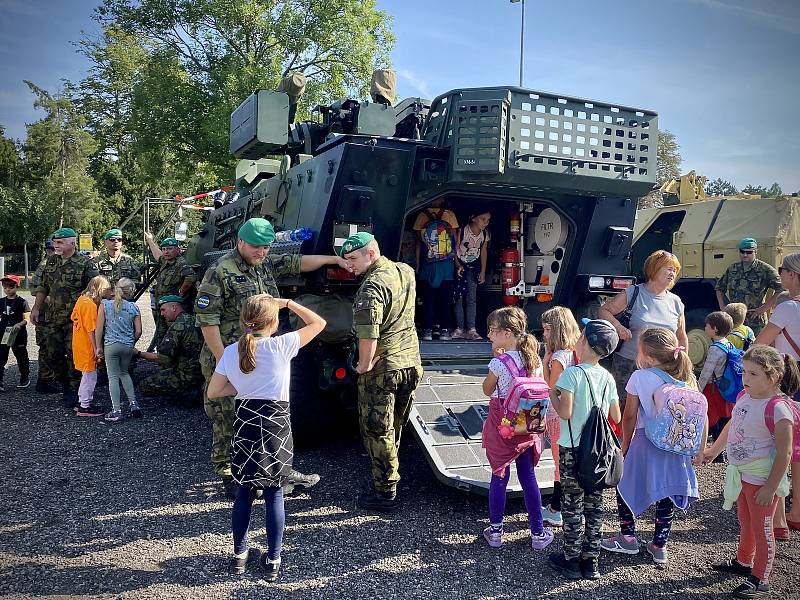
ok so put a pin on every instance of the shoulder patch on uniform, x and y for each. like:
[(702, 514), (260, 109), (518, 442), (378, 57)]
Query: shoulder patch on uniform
[(202, 301)]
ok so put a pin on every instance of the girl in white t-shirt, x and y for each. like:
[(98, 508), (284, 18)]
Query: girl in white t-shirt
[(560, 332), (256, 370), (471, 260), (757, 462)]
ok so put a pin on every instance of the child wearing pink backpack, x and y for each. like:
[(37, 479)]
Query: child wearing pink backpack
[(511, 433), (664, 426), (761, 441)]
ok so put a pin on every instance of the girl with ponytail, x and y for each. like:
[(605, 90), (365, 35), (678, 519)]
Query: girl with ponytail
[(652, 475), (509, 337), (256, 371)]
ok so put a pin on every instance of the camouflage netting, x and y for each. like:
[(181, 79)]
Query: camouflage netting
[(294, 85), (384, 83)]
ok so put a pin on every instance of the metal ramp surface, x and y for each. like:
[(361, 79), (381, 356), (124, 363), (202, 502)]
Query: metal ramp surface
[(448, 414)]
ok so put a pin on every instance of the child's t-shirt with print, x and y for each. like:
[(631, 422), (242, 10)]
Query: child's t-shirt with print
[(749, 438), (578, 379), (469, 250), (566, 358), (504, 376), (739, 335)]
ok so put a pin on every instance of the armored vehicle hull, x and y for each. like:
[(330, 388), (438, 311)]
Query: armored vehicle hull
[(561, 177)]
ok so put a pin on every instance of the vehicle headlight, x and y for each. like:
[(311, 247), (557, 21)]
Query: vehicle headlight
[(596, 282)]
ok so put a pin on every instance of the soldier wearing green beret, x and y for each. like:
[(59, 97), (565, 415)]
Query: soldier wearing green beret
[(64, 276), (113, 263), (175, 277), (178, 356), (749, 281), (245, 271), (389, 364), (46, 378)]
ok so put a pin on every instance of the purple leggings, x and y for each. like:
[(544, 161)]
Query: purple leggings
[(530, 491)]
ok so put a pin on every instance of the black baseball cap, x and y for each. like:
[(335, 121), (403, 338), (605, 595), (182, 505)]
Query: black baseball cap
[(601, 335)]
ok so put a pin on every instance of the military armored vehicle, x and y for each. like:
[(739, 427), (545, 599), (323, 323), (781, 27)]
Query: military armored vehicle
[(561, 176), (703, 232)]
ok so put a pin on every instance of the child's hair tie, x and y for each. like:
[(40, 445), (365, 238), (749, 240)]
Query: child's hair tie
[(678, 350)]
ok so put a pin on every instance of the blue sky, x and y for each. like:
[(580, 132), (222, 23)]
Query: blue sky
[(722, 74)]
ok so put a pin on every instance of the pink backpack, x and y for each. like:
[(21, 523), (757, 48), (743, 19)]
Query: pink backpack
[(525, 404), (769, 419)]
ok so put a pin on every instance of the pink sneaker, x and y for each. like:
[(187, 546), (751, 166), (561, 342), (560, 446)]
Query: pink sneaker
[(493, 537)]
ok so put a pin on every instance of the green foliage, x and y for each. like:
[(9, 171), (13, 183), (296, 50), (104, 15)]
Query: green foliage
[(721, 187), (668, 166), (9, 159), (759, 190)]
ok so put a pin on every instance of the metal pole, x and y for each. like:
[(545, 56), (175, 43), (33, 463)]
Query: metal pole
[(27, 272), (522, 44)]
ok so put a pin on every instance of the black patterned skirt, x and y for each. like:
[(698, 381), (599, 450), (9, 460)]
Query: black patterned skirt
[(262, 449)]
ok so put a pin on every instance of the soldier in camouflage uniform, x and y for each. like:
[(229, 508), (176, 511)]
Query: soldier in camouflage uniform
[(178, 354), (175, 277), (389, 365), (748, 281), (113, 263), (46, 380), (64, 277), (243, 272)]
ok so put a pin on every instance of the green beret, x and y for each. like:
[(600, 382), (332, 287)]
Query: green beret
[(64, 232), (257, 232), (112, 233), (169, 298), (168, 242), (356, 241), (747, 244)]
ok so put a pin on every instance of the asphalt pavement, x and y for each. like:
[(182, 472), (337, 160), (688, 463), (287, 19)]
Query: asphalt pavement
[(133, 510)]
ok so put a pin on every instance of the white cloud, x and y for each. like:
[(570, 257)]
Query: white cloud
[(417, 84)]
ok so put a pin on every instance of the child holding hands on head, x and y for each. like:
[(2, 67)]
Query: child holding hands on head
[(758, 458), (256, 370), (560, 332), (510, 339)]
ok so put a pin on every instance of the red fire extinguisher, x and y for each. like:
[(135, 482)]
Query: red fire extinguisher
[(510, 273), (516, 224)]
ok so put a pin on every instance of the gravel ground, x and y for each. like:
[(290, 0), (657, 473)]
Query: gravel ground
[(132, 510)]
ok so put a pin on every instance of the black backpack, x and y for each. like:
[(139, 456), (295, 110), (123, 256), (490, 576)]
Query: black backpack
[(598, 457)]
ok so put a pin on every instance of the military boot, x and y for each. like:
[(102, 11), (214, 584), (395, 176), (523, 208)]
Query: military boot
[(385, 502), (69, 397), (296, 479), (47, 386)]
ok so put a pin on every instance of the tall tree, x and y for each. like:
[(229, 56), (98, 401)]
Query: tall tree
[(721, 187), (668, 166), (203, 57), (759, 190), (57, 151), (9, 159)]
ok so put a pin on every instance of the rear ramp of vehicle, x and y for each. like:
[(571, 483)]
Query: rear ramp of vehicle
[(448, 415)]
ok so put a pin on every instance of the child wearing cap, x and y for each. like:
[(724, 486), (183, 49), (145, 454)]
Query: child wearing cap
[(577, 389), (14, 312)]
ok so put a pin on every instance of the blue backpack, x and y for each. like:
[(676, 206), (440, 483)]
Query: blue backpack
[(730, 384)]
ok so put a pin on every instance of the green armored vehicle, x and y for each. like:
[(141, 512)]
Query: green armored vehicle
[(561, 175)]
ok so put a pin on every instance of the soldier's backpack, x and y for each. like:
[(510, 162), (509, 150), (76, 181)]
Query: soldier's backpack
[(679, 418), (769, 420), (526, 402), (438, 236), (730, 384)]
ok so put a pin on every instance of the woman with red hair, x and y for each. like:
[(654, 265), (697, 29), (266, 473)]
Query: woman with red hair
[(651, 304)]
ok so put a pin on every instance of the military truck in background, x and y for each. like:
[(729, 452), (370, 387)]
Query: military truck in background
[(561, 176), (703, 232)]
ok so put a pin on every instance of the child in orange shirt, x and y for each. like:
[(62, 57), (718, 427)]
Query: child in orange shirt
[(84, 353)]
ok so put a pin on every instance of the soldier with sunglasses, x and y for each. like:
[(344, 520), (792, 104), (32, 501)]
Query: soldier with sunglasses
[(748, 281), (113, 263)]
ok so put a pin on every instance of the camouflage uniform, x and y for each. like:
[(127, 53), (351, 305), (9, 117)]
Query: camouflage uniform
[(383, 309), (178, 354), (114, 270), (43, 329), (63, 280), (219, 301), (582, 512), (749, 284), (171, 276)]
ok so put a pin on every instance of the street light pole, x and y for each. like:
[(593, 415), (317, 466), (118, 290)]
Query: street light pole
[(521, 40)]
